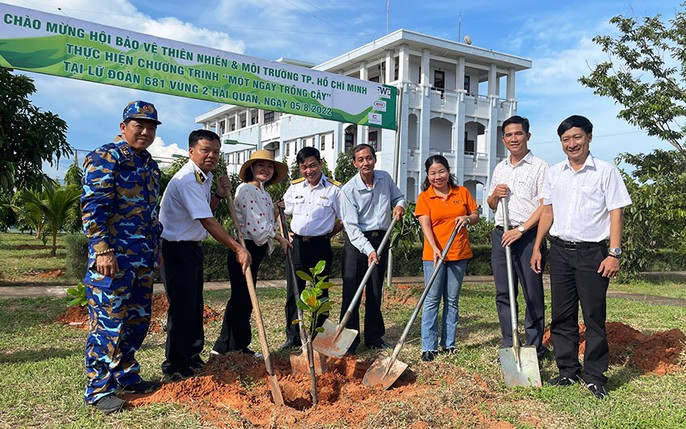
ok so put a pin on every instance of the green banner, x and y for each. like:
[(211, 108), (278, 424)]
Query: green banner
[(61, 46)]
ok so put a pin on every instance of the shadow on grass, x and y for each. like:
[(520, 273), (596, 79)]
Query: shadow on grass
[(17, 314), (25, 356)]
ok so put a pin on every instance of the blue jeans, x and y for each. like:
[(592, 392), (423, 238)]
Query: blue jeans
[(446, 285)]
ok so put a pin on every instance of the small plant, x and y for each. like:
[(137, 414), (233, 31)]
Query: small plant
[(311, 302), (78, 295)]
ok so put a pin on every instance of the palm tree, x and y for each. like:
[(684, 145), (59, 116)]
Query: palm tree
[(55, 202)]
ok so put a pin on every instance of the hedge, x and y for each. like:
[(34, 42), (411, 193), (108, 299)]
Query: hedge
[(405, 262)]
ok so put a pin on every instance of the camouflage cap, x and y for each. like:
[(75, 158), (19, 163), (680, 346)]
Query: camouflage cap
[(140, 110)]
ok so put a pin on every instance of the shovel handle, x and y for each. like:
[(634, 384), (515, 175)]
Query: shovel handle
[(294, 278), (360, 288), (510, 276), (425, 292), (253, 295)]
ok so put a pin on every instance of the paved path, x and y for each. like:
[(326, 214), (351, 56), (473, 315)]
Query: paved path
[(61, 291)]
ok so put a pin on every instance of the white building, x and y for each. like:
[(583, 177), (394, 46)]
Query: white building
[(454, 98)]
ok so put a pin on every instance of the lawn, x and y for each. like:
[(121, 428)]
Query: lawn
[(25, 261), (42, 375)]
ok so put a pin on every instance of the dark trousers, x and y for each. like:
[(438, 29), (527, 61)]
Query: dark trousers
[(531, 285), (354, 267), (236, 334), (574, 279), (183, 283), (305, 255)]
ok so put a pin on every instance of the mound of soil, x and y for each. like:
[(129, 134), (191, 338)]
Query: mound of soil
[(659, 353), (51, 274), (77, 316), (232, 391)]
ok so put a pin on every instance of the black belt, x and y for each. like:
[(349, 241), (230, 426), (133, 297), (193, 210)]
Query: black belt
[(189, 243), (574, 245), (375, 233), (307, 238), (500, 228)]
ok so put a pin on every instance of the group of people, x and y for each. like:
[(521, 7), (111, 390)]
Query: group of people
[(132, 234)]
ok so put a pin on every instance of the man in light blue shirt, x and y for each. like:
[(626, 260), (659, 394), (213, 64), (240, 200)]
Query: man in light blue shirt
[(368, 203)]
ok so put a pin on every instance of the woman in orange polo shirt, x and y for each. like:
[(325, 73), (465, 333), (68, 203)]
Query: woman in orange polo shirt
[(441, 205)]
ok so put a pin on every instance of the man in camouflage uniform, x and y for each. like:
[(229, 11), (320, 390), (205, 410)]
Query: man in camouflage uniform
[(120, 220)]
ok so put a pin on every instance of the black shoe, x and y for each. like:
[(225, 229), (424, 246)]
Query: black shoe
[(110, 404), (448, 350), (428, 356), (291, 343), (561, 380), (380, 345), (544, 354), (247, 351), (179, 374), (140, 387), (598, 390)]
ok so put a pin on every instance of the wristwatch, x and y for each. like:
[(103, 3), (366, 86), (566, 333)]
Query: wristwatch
[(521, 229), (615, 252)]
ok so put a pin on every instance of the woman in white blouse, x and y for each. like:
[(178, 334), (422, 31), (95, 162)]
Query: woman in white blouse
[(258, 221)]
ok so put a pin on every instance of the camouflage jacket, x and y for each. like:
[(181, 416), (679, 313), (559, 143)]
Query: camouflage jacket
[(119, 206)]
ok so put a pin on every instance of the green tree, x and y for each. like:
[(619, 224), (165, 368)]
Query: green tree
[(345, 169), (55, 202), (74, 178), (28, 136), (657, 218), (646, 74), (28, 215)]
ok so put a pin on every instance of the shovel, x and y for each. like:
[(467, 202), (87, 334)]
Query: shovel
[(519, 364), (301, 362), (385, 370), (271, 378), (335, 340)]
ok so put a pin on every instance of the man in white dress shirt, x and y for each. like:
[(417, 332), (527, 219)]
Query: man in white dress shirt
[(519, 178), (583, 199), (186, 214), (313, 201)]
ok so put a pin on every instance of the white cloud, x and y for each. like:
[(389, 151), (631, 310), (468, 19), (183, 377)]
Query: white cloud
[(164, 154)]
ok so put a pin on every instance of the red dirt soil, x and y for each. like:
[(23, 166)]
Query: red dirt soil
[(232, 391), (77, 316), (658, 353)]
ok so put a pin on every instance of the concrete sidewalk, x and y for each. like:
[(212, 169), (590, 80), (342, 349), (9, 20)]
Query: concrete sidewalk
[(61, 291)]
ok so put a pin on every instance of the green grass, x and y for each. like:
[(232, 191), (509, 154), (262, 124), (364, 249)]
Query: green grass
[(24, 258), (42, 375), (667, 288)]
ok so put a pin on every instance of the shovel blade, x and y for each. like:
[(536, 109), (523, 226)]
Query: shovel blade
[(527, 373), (275, 389), (330, 344), (300, 364), (384, 372)]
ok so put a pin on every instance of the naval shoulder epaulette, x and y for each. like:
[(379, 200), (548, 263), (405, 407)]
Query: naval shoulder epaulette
[(298, 180), (333, 182)]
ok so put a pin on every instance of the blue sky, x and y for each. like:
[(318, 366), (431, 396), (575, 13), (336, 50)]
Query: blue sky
[(556, 36)]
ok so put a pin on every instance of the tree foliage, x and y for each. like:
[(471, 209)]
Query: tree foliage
[(28, 136), (646, 74), (54, 203), (657, 218), (345, 169)]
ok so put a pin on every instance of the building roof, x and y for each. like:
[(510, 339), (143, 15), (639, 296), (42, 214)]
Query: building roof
[(417, 42)]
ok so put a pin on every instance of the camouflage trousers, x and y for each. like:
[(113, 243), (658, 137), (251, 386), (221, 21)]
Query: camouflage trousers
[(119, 322)]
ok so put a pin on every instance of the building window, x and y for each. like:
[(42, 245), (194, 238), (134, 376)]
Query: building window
[(233, 126), (373, 141), (468, 145), (322, 142), (349, 141), (439, 79), (467, 84), (268, 117), (332, 141), (288, 148), (253, 120), (242, 124)]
